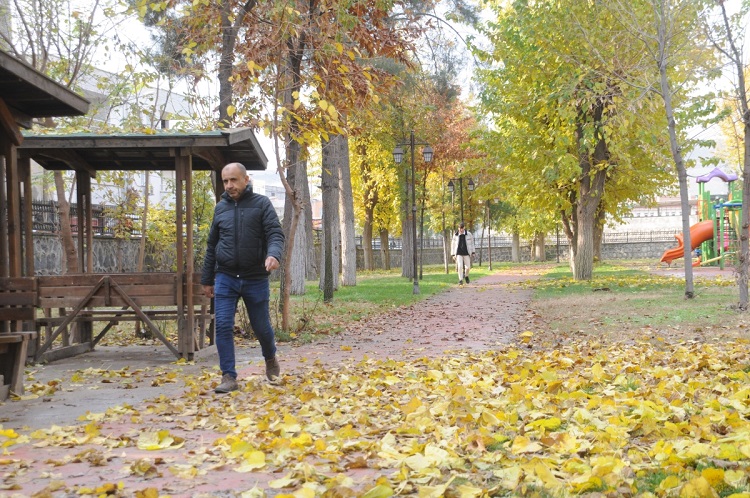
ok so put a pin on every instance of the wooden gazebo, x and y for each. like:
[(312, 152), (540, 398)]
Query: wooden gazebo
[(90, 297), (25, 94)]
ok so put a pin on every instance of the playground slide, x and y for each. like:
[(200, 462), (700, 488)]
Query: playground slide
[(699, 233)]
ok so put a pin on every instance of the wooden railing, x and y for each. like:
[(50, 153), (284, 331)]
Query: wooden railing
[(62, 309)]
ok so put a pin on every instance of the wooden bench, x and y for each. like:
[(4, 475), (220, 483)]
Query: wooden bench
[(17, 331), (13, 352), (109, 299)]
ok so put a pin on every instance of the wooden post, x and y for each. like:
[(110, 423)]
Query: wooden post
[(190, 345), (85, 185), (24, 170), (182, 334), (15, 254), (4, 265)]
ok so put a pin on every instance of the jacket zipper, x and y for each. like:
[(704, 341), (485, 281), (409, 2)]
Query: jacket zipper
[(236, 237)]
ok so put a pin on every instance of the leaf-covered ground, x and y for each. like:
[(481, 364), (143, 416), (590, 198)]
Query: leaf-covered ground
[(648, 416)]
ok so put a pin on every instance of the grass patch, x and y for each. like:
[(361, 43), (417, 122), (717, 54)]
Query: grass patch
[(650, 482), (621, 299)]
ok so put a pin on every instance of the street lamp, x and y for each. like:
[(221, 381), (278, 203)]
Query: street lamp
[(452, 187), (398, 156)]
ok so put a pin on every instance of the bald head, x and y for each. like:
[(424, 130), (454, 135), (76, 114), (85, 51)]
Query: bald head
[(234, 177)]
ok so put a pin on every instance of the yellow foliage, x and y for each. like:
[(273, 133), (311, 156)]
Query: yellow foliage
[(698, 487)]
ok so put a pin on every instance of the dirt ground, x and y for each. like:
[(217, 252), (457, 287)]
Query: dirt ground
[(486, 314), (482, 315)]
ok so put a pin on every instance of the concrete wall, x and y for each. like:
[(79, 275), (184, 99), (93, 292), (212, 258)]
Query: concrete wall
[(114, 256), (631, 250), (107, 252)]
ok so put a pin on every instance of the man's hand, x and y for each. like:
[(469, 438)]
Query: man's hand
[(271, 263), (208, 291), (454, 257)]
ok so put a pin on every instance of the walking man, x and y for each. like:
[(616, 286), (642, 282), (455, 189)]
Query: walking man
[(462, 250), (245, 244)]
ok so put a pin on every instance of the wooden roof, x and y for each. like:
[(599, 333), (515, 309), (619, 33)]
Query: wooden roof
[(30, 94), (144, 152)]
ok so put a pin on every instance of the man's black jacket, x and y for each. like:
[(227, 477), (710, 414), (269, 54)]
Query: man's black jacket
[(243, 234)]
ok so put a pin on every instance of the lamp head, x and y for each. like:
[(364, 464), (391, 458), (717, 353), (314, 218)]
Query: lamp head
[(398, 154), (471, 184), (451, 187), (427, 153)]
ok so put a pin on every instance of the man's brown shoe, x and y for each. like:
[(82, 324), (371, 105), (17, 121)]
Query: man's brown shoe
[(272, 369), (228, 384)]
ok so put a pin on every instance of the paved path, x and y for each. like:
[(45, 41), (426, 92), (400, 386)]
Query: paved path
[(487, 314), (478, 316)]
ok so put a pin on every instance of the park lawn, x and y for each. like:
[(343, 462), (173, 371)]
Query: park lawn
[(625, 302)]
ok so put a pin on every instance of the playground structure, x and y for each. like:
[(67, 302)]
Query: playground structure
[(716, 234)]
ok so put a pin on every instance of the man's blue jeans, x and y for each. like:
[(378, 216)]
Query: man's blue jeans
[(255, 293)]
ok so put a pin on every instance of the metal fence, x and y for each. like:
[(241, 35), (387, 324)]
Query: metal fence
[(507, 240), (46, 218)]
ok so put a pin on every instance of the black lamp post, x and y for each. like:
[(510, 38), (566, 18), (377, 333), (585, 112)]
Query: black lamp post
[(398, 156), (452, 187)]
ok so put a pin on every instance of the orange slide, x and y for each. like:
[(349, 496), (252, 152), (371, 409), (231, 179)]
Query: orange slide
[(699, 233)]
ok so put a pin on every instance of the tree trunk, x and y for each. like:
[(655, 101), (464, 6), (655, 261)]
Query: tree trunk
[(663, 41), (230, 25), (346, 216), (589, 194), (370, 199), (287, 267), (300, 254), (367, 239), (735, 54), (539, 247), (598, 233), (311, 263), (515, 248), (385, 249), (447, 261), (583, 259), (407, 248), (744, 258), (298, 227), (407, 237), (480, 246), (328, 180), (70, 252), (421, 227), (330, 187)]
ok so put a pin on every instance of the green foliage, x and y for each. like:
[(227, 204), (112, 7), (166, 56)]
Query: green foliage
[(376, 183), (545, 80), (122, 199), (161, 234)]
